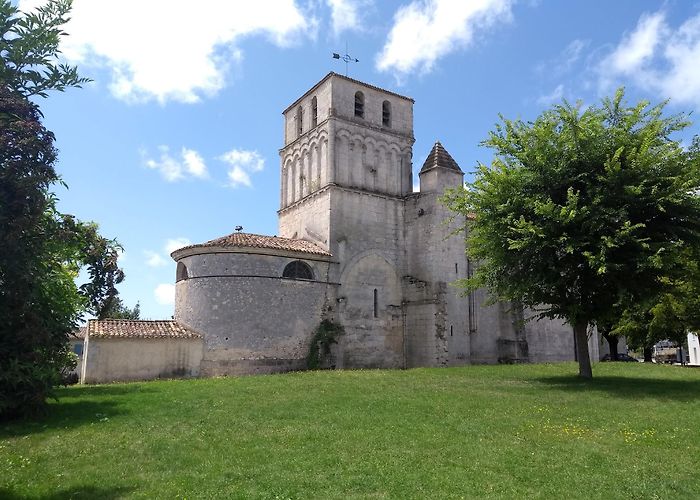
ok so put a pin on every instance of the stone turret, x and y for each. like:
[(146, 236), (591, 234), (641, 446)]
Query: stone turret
[(439, 171)]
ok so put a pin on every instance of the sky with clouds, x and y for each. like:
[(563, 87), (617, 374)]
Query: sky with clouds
[(176, 140)]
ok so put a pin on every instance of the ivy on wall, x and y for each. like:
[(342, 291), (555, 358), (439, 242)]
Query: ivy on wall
[(325, 335)]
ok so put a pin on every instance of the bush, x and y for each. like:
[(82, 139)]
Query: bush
[(325, 335)]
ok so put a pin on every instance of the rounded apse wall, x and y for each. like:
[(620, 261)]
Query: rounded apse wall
[(251, 308)]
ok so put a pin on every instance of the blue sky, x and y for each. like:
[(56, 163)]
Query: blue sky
[(177, 138)]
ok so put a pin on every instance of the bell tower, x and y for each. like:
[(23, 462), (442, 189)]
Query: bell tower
[(345, 135)]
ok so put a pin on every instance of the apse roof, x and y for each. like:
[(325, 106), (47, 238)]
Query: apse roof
[(249, 240)]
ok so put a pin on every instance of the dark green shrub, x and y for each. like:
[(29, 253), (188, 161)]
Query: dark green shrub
[(325, 335)]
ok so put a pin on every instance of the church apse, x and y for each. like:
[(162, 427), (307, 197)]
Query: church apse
[(255, 299)]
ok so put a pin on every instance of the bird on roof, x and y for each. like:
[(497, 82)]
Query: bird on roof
[(239, 228)]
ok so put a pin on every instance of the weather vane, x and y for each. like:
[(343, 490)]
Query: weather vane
[(346, 57)]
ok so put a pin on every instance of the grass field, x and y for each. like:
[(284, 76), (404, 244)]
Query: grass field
[(482, 431)]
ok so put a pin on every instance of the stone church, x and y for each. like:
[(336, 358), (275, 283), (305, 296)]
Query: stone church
[(356, 245)]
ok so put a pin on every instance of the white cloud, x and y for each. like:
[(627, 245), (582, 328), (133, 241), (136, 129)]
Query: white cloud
[(174, 243), (682, 81), (194, 163), (154, 259), (190, 164), (572, 53), (565, 61), (657, 58), (346, 14), (639, 46), (555, 96), (424, 31), (165, 294), (172, 49), (242, 163)]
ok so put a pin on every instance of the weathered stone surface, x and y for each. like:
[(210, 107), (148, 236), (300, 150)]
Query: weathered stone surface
[(346, 186), (123, 359)]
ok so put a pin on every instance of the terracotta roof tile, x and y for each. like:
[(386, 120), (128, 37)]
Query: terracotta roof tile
[(128, 328), (439, 157), (79, 333), (248, 240)]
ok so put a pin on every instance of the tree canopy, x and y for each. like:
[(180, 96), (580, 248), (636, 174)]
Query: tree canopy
[(41, 249), (29, 44), (583, 210)]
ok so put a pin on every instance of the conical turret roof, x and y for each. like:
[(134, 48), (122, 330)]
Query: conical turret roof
[(439, 157)]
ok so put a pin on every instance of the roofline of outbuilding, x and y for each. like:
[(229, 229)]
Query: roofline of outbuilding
[(347, 78)]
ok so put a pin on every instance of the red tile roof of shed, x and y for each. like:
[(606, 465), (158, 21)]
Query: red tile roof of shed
[(144, 329)]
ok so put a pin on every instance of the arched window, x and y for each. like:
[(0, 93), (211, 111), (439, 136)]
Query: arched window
[(181, 272), (386, 114), (298, 270), (359, 104), (300, 113), (314, 112)]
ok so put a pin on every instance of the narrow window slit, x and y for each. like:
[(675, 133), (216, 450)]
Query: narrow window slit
[(375, 304)]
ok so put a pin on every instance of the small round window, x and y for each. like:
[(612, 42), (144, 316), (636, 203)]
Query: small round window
[(298, 270)]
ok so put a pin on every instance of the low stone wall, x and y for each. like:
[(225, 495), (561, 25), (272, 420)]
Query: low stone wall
[(118, 360)]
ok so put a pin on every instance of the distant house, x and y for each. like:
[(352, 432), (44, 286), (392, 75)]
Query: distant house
[(694, 349), (122, 350)]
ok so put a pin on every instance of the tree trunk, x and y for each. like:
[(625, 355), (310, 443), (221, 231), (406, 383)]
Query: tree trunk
[(647, 354), (613, 341), (584, 359)]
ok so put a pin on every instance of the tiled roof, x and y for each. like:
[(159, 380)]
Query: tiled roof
[(439, 157), (248, 240), (143, 329), (79, 333)]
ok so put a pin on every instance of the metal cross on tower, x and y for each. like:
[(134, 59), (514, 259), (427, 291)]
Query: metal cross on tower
[(346, 57)]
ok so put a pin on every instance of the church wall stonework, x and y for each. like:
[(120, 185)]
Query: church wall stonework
[(384, 259), (221, 298), (435, 258), (549, 340), (367, 243), (310, 221), (343, 103), (372, 160)]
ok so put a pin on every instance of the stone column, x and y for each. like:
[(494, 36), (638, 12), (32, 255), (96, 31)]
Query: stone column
[(330, 150), (283, 183)]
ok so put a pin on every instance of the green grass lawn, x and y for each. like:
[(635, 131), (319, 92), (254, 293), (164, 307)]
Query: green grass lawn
[(481, 431)]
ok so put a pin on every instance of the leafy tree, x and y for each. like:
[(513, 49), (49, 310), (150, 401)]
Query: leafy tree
[(671, 314), (582, 211), (117, 310), (29, 45), (41, 249), (101, 255)]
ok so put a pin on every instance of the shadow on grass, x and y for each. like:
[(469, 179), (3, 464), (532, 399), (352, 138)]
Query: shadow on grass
[(629, 387), (80, 391), (77, 492), (65, 415)]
